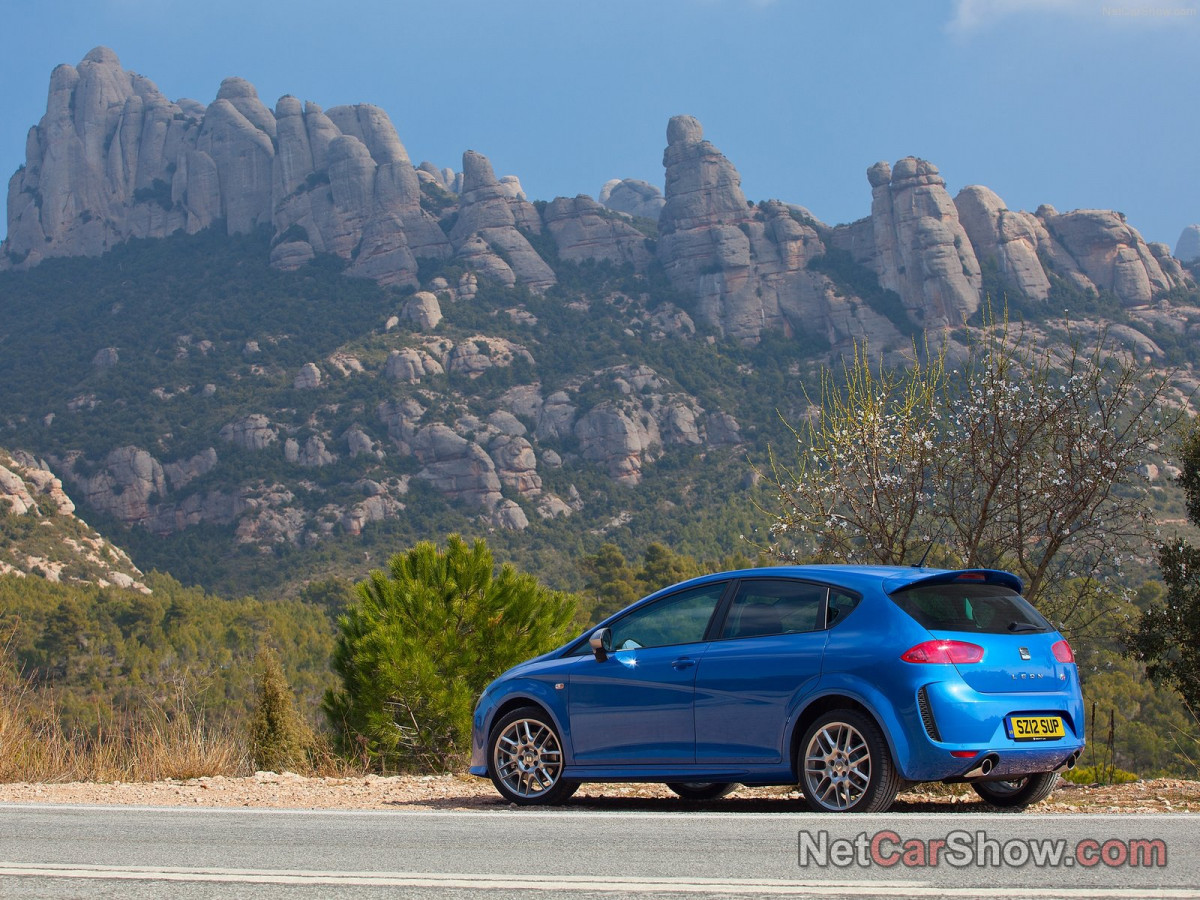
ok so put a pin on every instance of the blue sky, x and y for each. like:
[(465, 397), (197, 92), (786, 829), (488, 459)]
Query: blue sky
[(1075, 103)]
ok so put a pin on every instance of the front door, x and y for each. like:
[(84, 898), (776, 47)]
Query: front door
[(636, 706)]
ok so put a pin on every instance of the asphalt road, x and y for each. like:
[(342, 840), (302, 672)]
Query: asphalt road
[(85, 852)]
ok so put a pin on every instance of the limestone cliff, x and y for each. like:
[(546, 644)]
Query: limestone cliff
[(584, 230), (921, 249), (43, 537), (747, 265), (632, 197), (1187, 249), (113, 159), (1095, 250), (1109, 252), (490, 232), (1009, 239), (343, 184)]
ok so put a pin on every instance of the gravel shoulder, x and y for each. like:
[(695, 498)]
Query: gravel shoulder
[(455, 792)]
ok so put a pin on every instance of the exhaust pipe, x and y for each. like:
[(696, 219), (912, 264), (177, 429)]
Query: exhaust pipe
[(1069, 763), (984, 767)]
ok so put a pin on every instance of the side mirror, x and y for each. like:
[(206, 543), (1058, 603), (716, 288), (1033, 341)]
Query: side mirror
[(601, 641)]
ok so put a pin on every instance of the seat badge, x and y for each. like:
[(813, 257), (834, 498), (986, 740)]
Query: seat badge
[(1025, 653)]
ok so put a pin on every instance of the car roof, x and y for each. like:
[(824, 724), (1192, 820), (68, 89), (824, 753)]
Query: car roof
[(889, 579)]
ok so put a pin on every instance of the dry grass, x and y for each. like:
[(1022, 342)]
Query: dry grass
[(137, 745), (325, 762), (30, 745), (155, 742), (147, 744)]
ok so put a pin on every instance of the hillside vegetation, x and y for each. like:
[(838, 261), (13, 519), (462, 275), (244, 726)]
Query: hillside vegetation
[(203, 333), (156, 302)]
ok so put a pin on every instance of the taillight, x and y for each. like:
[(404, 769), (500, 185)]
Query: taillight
[(1062, 652), (956, 652)]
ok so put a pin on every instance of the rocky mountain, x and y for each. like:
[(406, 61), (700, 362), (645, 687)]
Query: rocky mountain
[(43, 537), (113, 159), (567, 370), (1187, 250)]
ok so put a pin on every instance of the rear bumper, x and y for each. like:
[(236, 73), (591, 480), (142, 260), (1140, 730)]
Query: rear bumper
[(1001, 765), (967, 721)]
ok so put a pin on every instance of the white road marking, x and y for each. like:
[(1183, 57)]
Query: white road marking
[(788, 817), (601, 884)]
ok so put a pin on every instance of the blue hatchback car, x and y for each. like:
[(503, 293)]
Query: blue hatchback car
[(849, 680)]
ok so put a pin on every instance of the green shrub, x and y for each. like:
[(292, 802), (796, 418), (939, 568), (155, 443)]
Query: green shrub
[(423, 640), (280, 739), (1099, 775)]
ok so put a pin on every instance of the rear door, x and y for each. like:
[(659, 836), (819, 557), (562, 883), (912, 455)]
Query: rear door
[(768, 651)]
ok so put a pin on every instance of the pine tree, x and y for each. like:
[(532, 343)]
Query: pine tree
[(662, 567), (422, 641), (1167, 635), (610, 580)]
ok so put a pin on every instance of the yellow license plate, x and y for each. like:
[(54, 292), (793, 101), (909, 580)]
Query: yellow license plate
[(1036, 728)]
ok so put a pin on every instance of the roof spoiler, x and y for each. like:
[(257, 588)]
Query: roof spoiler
[(976, 576)]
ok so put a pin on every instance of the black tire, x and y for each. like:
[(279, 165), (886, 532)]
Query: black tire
[(701, 790), (525, 759), (1017, 793), (845, 765)]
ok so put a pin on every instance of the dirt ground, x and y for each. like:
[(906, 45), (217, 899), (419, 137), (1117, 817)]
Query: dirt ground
[(451, 792)]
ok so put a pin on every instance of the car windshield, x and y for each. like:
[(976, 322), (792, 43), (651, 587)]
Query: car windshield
[(980, 608)]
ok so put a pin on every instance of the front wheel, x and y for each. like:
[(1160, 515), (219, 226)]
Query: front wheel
[(525, 759), (845, 764), (1017, 793), (701, 790)]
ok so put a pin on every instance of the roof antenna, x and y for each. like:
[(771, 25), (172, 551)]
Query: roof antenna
[(932, 541)]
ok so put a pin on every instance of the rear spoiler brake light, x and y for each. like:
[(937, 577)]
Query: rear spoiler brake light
[(899, 582)]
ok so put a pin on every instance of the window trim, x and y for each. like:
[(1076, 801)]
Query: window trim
[(716, 622), (855, 595)]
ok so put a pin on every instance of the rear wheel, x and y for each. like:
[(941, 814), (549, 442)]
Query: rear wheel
[(525, 759), (701, 790), (1017, 792), (845, 764)]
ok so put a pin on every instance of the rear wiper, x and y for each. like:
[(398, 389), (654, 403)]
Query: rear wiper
[(1023, 626)]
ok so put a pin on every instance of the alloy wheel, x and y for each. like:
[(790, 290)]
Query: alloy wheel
[(837, 766), (527, 757)]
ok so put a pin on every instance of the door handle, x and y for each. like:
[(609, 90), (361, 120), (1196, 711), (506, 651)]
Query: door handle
[(683, 663)]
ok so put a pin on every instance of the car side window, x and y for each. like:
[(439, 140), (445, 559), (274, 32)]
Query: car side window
[(840, 605), (763, 607), (681, 618)]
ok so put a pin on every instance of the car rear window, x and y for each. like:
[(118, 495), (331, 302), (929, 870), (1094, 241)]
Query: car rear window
[(979, 608)]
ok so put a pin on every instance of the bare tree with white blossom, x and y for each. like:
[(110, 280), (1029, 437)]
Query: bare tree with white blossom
[(1020, 457)]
